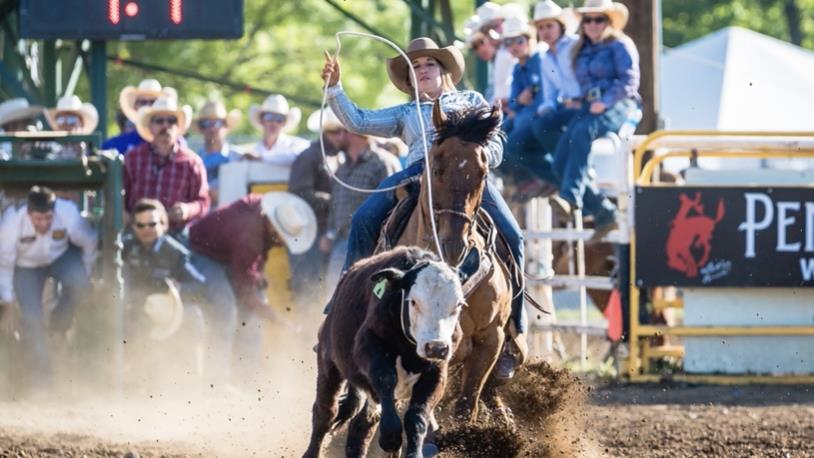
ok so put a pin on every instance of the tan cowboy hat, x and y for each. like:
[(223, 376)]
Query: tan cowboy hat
[(617, 12), (550, 10), (215, 109), (514, 27), (71, 104), (292, 218), (449, 57), (329, 121), (275, 103), (148, 88), (165, 312), (17, 109), (162, 105)]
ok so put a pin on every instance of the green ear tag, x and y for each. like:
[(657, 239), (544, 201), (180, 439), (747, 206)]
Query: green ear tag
[(379, 288)]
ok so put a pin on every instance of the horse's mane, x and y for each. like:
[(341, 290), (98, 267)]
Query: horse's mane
[(476, 125)]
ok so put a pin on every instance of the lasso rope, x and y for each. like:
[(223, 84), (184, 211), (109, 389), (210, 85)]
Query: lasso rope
[(420, 123)]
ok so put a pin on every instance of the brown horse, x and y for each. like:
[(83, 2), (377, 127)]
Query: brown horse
[(458, 168)]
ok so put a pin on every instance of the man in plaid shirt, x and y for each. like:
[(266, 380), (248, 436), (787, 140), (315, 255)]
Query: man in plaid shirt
[(365, 166), (163, 169)]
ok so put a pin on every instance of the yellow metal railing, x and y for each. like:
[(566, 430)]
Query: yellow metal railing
[(767, 145)]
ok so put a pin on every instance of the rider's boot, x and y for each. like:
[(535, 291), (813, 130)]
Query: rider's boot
[(515, 349)]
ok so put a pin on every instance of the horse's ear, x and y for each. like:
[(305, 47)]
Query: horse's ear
[(497, 111), (439, 118)]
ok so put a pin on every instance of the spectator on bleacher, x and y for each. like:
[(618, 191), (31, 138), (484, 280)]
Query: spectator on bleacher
[(309, 179), (606, 64), (364, 167), (275, 118), (502, 62), (131, 99), (16, 115), (74, 117), (214, 123), (45, 238), (526, 90), (231, 244), (163, 169)]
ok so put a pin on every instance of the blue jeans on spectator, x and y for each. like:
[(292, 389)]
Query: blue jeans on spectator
[(368, 219), (220, 311), (524, 156), (571, 156), (69, 271)]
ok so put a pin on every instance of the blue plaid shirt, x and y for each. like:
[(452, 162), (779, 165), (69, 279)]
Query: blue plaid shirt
[(401, 120), (611, 67)]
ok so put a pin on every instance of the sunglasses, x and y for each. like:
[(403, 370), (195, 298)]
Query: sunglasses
[(143, 225), (514, 41), (68, 120), (170, 120), (596, 19), (143, 102), (207, 123), (273, 117)]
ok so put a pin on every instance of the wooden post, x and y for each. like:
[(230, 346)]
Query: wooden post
[(643, 28)]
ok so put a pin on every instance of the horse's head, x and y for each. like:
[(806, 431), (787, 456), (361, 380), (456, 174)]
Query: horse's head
[(458, 168)]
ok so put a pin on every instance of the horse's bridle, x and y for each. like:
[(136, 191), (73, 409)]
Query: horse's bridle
[(445, 211)]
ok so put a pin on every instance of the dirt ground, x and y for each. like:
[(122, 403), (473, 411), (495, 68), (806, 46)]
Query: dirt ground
[(572, 419)]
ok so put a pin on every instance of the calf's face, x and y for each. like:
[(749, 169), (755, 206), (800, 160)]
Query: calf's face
[(435, 301)]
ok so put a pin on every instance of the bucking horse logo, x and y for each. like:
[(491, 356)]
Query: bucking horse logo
[(691, 234)]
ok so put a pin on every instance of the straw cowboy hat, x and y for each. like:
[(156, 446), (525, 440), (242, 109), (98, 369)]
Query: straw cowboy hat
[(550, 10), (165, 312), (329, 121), (449, 57), (16, 110), (488, 12), (514, 27), (215, 109), (617, 12), (71, 104), (292, 218), (149, 88), (472, 30), (275, 103), (167, 106)]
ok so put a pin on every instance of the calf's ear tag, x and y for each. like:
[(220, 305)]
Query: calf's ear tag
[(379, 288)]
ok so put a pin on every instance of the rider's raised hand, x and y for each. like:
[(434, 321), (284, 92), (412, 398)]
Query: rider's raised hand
[(330, 72)]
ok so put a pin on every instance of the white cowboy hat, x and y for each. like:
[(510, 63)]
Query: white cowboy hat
[(617, 12), (165, 312), (550, 10), (511, 10), (162, 105), (514, 27), (449, 57), (215, 109), (329, 121), (472, 30), (148, 88), (292, 218), (488, 12), (71, 104), (275, 103), (17, 109)]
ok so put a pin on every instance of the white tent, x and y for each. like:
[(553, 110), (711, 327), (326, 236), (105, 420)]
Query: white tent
[(737, 79)]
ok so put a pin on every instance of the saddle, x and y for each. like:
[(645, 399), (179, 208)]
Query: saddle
[(477, 263)]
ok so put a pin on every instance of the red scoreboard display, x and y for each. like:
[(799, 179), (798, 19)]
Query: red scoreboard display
[(131, 19)]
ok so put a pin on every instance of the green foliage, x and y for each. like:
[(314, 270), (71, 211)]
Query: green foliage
[(686, 20)]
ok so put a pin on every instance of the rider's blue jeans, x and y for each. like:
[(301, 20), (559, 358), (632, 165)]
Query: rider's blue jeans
[(368, 218)]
